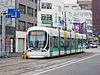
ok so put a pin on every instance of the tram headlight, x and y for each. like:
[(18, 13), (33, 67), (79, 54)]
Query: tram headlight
[(29, 50)]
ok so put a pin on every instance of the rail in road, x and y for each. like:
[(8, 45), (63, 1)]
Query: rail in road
[(18, 66)]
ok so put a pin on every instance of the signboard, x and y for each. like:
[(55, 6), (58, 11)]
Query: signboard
[(77, 28), (62, 22), (82, 28), (39, 5), (96, 33), (13, 13)]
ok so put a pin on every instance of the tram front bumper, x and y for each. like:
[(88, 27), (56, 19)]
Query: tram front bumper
[(37, 54)]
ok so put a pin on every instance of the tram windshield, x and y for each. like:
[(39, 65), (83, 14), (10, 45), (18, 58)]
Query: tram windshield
[(37, 39)]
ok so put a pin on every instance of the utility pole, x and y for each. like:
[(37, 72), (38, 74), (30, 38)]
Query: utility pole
[(59, 40), (65, 20), (3, 14)]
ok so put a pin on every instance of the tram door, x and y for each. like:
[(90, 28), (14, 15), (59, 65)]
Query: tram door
[(21, 42)]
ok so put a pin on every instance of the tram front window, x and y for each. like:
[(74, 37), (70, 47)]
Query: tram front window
[(37, 39)]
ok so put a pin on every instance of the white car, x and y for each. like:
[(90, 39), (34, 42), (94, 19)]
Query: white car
[(93, 45)]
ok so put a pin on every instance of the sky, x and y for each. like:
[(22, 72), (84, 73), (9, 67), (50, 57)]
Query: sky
[(70, 1)]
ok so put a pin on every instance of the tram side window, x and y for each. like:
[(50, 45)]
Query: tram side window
[(55, 41), (79, 41), (73, 42), (62, 41), (68, 42), (84, 42)]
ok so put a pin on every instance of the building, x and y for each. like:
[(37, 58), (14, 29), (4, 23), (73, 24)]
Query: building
[(77, 17), (9, 25), (85, 4), (69, 10), (96, 17), (49, 12), (28, 13), (70, 1), (85, 17), (17, 28)]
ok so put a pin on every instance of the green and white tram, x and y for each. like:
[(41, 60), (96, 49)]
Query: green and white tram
[(49, 42)]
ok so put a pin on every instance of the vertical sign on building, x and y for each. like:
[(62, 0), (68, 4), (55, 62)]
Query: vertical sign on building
[(39, 5), (82, 28), (76, 27)]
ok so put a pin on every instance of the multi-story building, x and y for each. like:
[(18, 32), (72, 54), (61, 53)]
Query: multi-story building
[(76, 15), (96, 18), (49, 12), (28, 13), (69, 10), (9, 24), (85, 4), (86, 17)]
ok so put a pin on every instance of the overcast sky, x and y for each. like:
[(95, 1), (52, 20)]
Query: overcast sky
[(70, 1)]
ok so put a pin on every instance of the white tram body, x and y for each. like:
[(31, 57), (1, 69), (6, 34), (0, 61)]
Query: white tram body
[(49, 42)]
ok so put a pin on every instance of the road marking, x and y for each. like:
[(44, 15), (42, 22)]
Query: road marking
[(63, 64)]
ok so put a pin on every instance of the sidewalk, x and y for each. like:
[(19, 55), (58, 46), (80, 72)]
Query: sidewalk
[(17, 54)]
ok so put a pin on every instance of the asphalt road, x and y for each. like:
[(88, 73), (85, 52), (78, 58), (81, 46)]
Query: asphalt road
[(87, 66), (69, 65)]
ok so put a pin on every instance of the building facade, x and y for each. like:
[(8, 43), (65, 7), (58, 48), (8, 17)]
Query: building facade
[(85, 17), (49, 12), (85, 4), (80, 20), (96, 17), (69, 10), (28, 13), (9, 25)]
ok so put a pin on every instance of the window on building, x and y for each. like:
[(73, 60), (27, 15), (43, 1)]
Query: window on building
[(21, 25), (89, 34), (22, 9), (83, 6), (31, 0), (29, 24), (89, 27), (59, 18), (89, 21), (29, 11), (46, 5), (35, 1), (35, 12), (46, 17), (74, 7), (59, 8)]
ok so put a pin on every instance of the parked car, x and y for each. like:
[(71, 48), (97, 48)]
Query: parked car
[(92, 45)]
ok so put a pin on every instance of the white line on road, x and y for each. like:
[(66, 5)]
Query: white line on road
[(63, 64)]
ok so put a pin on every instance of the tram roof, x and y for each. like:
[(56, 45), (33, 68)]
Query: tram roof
[(47, 29), (54, 31)]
